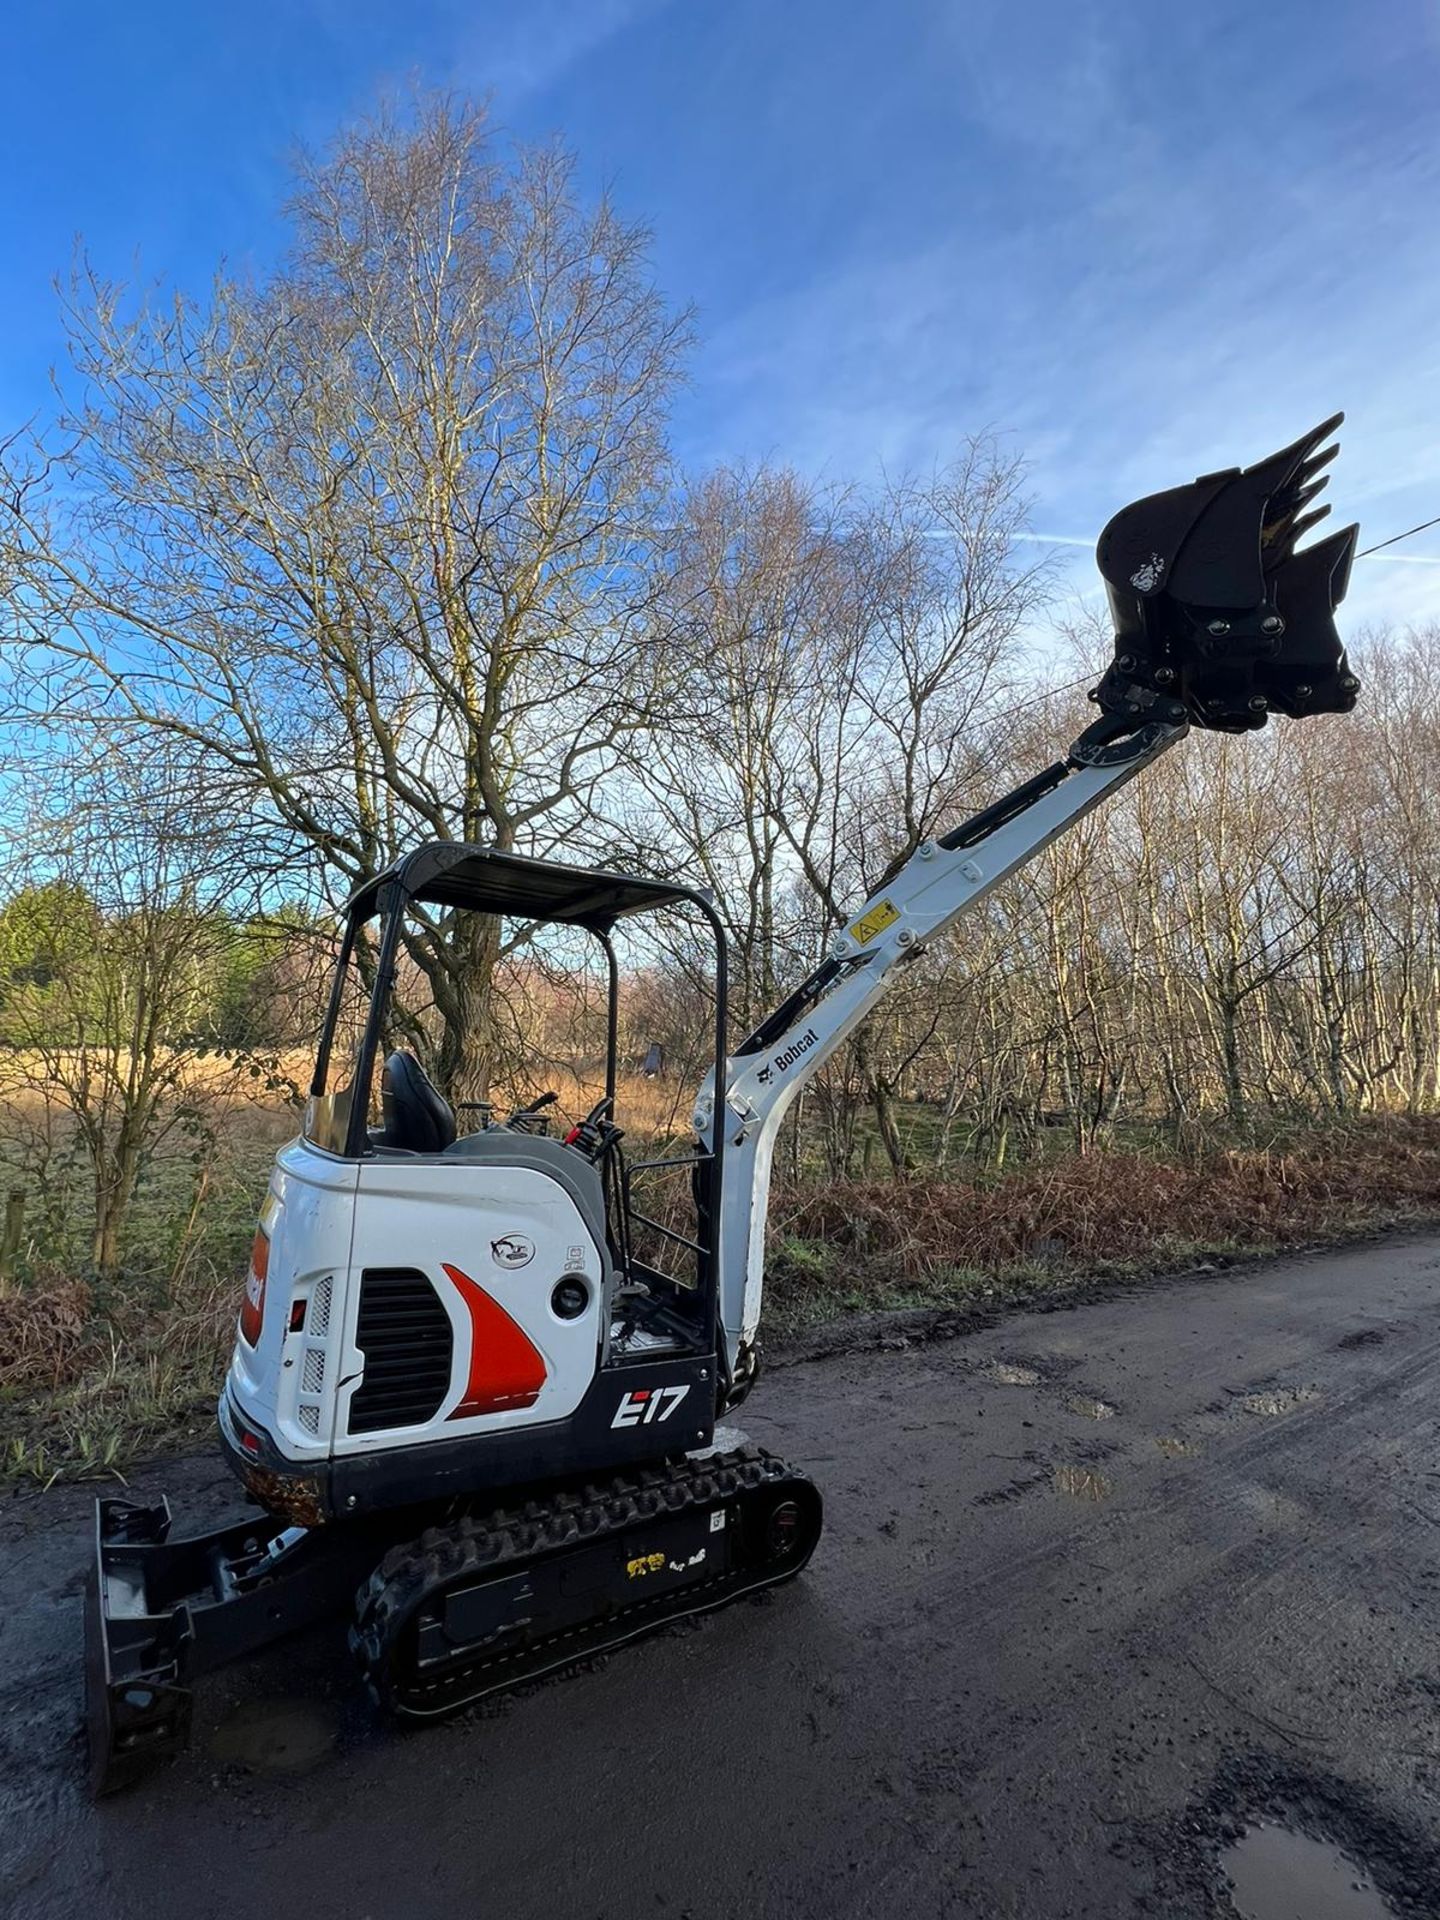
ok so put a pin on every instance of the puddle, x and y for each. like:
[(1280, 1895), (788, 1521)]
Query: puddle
[(1091, 1409), (1082, 1483), (1279, 1400), (1278, 1875), (1005, 1374), (274, 1736)]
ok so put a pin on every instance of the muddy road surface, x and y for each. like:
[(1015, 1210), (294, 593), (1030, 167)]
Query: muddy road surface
[(1100, 1590)]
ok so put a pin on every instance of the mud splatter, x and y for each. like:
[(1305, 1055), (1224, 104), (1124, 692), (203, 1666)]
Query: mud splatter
[(1367, 1337), (1279, 1400), (1006, 1373), (1082, 1483), (1090, 1408)]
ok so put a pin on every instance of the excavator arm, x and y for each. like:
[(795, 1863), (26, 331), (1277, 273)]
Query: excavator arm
[(1219, 621)]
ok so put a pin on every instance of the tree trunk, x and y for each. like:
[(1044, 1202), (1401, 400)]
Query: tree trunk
[(1230, 1054), (470, 957), (881, 1095), (115, 1176)]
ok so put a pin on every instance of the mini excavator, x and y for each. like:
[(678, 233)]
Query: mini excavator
[(469, 1399)]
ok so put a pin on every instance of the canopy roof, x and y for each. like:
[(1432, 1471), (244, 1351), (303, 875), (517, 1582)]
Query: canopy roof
[(450, 873)]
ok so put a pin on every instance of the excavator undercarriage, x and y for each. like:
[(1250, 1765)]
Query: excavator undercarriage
[(475, 1601)]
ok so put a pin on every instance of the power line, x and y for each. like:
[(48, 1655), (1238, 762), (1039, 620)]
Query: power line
[(1399, 536), (1046, 693), (1065, 540)]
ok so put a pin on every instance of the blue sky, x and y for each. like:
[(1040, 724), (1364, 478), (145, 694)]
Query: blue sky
[(1142, 240)]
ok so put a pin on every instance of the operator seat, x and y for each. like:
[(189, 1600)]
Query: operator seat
[(417, 1118)]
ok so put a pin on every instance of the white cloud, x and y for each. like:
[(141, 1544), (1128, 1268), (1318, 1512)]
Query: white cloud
[(527, 48)]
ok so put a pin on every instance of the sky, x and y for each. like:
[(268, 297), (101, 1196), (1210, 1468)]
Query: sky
[(1138, 241)]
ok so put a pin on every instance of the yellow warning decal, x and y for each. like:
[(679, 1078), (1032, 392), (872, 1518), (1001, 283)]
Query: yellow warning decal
[(875, 921), (644, 1563)]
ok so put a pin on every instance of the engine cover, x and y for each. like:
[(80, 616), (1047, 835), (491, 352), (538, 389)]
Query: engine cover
[(411, 1299)]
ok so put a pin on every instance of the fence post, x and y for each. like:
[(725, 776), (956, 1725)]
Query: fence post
[(12, 1233)]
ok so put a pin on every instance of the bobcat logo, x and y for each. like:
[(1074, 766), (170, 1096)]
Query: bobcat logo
[(512, 1250), (786, 1057), (1148, 576), (789, 1055)]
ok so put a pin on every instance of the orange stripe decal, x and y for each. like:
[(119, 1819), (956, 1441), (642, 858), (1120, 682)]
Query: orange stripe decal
[(506, 1367), (252, 1307)]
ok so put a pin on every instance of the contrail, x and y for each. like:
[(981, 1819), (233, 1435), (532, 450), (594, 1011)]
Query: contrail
[(1391, 559)]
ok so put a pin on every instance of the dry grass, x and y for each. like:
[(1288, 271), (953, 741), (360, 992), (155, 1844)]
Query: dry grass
[(46, 1333), (219, 1074), (87, 1384), (932, 1241), (90, 1380)]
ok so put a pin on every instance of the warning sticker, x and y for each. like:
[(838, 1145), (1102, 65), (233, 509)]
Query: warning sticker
[(875, 921)]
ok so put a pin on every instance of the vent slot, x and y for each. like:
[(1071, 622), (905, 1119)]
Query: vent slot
[(404, 1334), (310, 1419), (317, 1319), (312, 1376)]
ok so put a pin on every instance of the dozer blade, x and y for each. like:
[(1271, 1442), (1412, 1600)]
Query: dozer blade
[(1219, 618), (159, 1612)]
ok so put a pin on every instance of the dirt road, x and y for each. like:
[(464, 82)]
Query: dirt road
[(1097, 1588)]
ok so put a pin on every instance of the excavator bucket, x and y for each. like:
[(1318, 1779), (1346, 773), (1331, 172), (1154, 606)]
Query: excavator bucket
[(1219, 617)]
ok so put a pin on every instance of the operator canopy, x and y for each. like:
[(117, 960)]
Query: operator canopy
[(1219, 619), (451, 873)]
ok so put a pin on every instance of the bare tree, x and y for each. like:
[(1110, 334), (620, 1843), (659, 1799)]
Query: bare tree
[(853, 646), (380, 538), (110, 950), (759, 597)]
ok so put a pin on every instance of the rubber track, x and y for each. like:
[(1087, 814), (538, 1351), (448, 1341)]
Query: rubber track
[(413, 1574)]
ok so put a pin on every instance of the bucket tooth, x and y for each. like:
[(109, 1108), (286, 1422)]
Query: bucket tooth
[(1308, 452), (1278, 541), (1323, 458), (1304, 523), (1304, 495)]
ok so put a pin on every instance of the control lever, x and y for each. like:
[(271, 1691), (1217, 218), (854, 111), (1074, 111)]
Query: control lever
[(596, 1133), (528, 1119)]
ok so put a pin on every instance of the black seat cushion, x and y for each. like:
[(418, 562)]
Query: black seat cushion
[(417, 1118)]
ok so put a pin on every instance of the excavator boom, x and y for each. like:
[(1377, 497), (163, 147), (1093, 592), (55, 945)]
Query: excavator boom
[(1220, 620)]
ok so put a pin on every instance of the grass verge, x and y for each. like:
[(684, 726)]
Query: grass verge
[(879, 1246), (91, 1381)]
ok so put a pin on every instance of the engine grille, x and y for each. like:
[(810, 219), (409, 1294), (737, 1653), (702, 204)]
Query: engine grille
[(404, 1333)]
